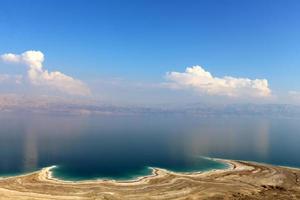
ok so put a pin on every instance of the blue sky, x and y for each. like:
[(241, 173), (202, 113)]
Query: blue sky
[(141, 40)]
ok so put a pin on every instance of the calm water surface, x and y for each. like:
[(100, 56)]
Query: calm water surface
[(123, 147)]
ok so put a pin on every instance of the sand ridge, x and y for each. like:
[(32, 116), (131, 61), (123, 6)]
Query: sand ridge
[(241, 180)]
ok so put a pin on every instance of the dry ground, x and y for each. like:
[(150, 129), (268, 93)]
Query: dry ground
[(244, 180)]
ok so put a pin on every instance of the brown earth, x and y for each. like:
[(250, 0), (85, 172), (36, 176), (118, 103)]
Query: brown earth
[(243, 180)]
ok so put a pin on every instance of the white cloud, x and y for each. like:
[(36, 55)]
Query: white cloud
[(9, 57), (39, 76), (201, 81)]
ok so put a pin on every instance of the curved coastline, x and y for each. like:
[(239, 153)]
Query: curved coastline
[(46, 174), (241, 180), (154, 172)]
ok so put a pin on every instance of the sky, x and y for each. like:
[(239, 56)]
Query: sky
[(150, 51)]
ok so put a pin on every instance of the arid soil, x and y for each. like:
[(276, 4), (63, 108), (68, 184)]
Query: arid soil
[(243, 180)]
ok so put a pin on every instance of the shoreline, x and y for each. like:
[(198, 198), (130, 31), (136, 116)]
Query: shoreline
[(155, 171), (47, 172), (240, 180)]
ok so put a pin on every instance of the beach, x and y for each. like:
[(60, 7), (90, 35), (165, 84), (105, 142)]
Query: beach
[(241, 180)]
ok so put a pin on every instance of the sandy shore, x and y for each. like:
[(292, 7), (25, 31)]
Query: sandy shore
[(242, 180)]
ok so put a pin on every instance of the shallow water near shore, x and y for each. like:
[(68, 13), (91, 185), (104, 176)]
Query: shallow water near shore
[(124, 147), (201, 165)]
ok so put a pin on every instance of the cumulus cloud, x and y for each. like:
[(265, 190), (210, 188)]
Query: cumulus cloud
[(42, 77), (9, 57), (203, 82)]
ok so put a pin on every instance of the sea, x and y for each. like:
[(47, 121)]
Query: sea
[(124, 147)]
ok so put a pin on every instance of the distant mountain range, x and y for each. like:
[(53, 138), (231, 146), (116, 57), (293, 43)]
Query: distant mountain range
[(56, 105)]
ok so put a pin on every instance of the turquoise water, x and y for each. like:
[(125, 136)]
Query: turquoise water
[(201, 165), (124, 147)]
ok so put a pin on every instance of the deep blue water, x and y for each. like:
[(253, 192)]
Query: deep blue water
[(123, 147)]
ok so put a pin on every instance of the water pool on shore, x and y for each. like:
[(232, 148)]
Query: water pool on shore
[(122, 147), (199, 165)]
